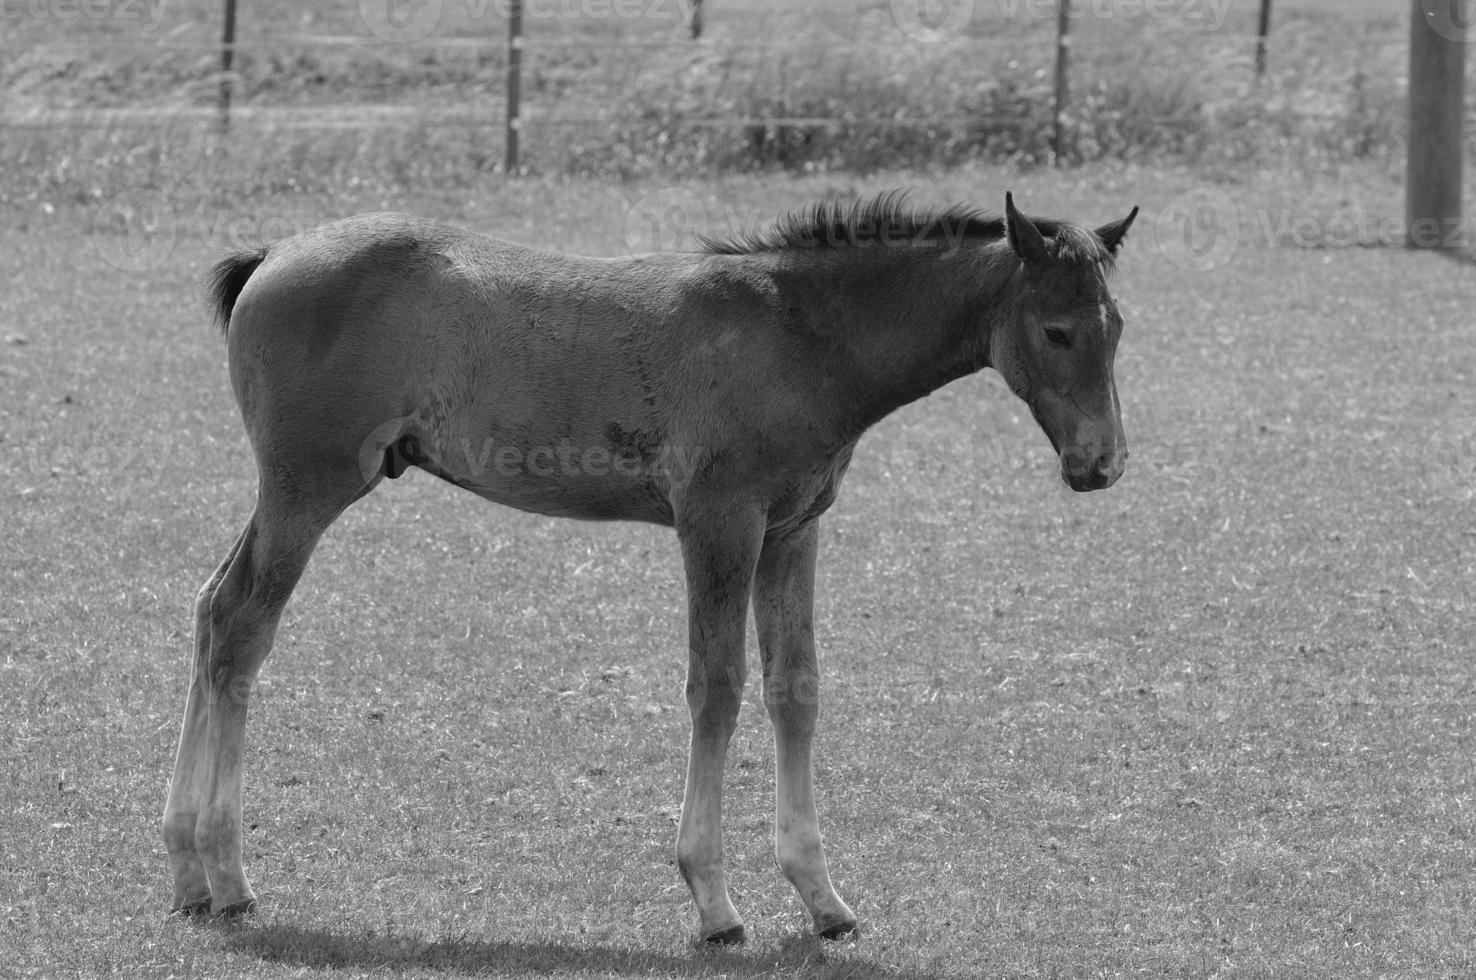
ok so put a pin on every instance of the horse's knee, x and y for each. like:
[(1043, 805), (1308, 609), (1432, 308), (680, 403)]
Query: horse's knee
[(716, 696), (793, 701)]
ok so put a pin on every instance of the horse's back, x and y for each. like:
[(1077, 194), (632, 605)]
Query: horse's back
[(371, 277), (354, 335)]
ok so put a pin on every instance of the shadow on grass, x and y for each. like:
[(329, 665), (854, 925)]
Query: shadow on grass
[(803, 955), (1460, 256)]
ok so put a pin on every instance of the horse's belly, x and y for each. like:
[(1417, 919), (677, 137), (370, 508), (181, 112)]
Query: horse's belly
[(564, 481), (582, 503)]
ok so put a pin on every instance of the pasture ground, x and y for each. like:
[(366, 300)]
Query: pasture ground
[(1216, 722)]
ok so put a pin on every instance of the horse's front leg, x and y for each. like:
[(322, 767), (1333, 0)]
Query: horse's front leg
[(783, 606), (719, 548)]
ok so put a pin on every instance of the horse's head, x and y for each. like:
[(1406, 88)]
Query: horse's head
[(1056, 346)]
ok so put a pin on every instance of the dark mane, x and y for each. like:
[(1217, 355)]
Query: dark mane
[(890, 219)]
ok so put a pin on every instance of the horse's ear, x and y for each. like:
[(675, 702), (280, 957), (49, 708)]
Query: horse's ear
[(1024, 237), (1113, 234)]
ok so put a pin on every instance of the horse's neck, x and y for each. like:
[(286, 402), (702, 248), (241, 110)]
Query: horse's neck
[(904, 327)]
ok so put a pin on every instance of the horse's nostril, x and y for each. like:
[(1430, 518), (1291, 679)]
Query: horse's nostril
[(1109, 467)]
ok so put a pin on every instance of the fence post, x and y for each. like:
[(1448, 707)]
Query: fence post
[(1437, 80), (1063, 68), (514, 84), (227, 63), (1263, 33)]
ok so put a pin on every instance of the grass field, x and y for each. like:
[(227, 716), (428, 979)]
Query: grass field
[(1215, 722)]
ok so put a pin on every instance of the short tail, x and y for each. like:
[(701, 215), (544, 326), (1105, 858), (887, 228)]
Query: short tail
[(227, 280)]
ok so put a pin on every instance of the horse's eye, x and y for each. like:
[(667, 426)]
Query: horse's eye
[(1058, 337)]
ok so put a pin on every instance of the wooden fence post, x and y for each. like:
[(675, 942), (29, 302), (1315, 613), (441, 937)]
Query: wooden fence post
[(1263, 34), (227, 63), (514, 84), (1063, 78), (1439, 33)]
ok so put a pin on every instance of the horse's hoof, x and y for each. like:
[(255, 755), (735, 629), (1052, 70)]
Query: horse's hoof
[(235, 910), (845, 929), (731, 936), (188, 910)]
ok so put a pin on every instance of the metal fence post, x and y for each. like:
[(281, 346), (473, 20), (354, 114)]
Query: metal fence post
[(227, 63), (1063, 78), (514, 84)]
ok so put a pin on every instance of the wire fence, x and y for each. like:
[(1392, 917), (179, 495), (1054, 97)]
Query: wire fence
[(506, 100)]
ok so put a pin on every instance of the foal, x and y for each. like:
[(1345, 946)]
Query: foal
[(719, 392)]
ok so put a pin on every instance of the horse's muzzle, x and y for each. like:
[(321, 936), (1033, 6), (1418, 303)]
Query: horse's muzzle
[(1092, 471)]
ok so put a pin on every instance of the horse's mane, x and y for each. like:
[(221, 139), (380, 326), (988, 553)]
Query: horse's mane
[(890, 218)]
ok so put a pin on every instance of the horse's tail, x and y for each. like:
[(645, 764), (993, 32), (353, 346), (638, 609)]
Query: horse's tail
[(228, 278)]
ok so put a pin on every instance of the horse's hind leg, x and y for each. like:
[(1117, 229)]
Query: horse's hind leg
[(236, 617), (191, 886)]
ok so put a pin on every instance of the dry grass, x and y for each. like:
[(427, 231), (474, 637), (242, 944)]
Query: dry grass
[(1215, 722)]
